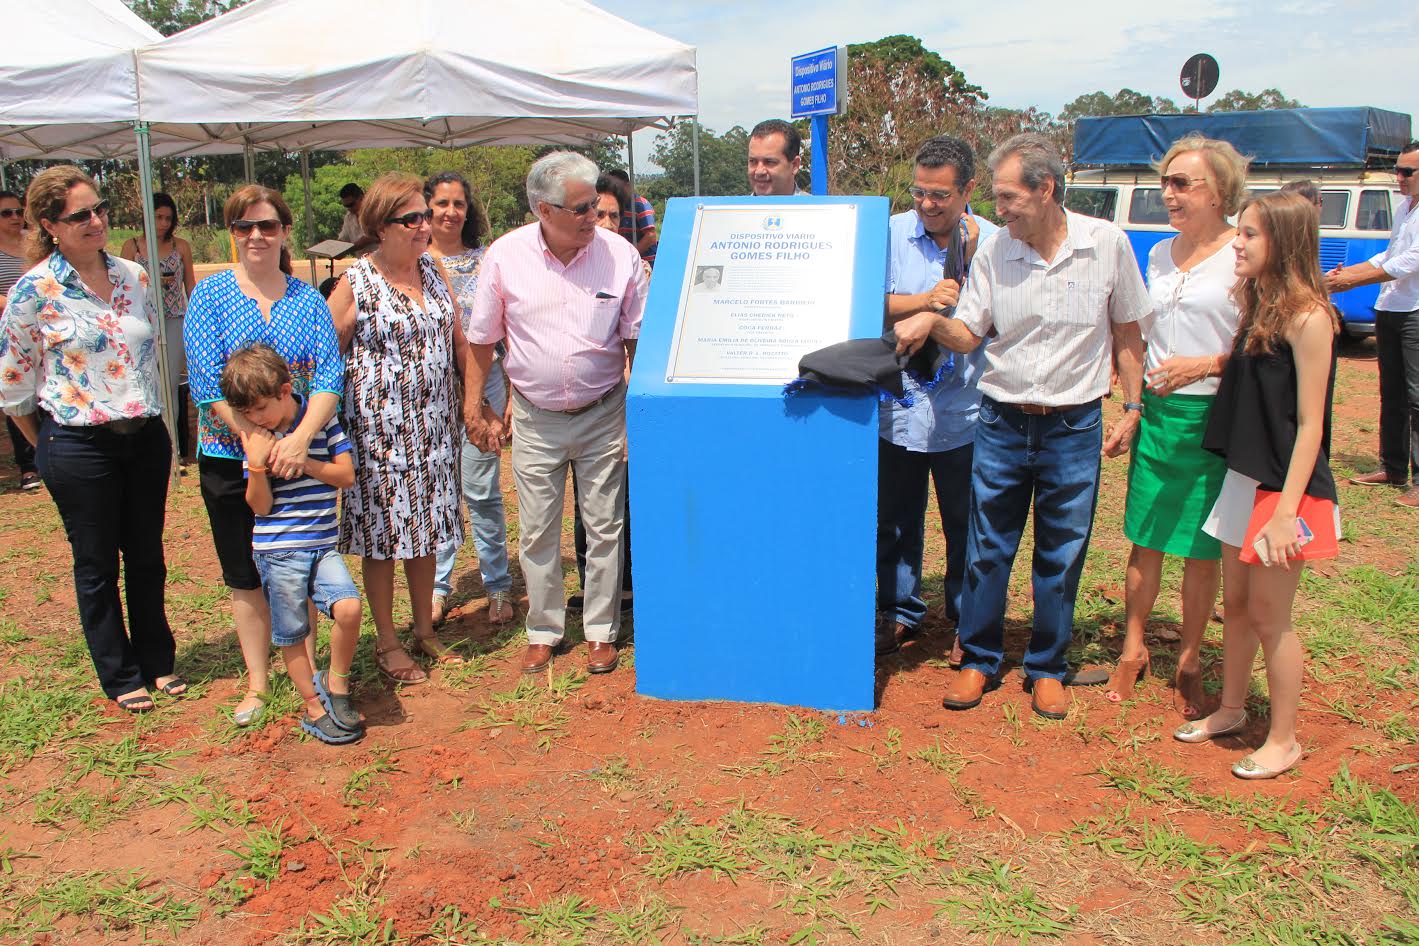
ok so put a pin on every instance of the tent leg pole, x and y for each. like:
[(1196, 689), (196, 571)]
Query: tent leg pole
[(631, 173), (155, 286), (248, 163), (309, 211), (695, 149), (3, 184)]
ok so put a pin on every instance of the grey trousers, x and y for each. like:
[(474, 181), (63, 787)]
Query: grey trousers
[(544, 444)]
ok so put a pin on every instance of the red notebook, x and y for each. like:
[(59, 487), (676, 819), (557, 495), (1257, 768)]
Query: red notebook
[(1320, 516)]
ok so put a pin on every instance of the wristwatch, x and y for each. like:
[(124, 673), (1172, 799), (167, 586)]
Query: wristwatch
[(1133, 406)]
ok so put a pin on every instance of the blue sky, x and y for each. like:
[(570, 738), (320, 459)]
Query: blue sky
[(1028, 52)]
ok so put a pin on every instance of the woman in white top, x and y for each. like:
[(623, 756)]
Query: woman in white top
[(1172, 481)]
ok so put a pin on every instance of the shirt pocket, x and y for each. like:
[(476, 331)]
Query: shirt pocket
[(602, 323), (1085, 306)]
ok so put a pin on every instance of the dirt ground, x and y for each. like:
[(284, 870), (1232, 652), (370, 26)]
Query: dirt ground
[(489, 807)]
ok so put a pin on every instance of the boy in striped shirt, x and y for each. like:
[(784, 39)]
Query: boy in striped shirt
[(293, 540)]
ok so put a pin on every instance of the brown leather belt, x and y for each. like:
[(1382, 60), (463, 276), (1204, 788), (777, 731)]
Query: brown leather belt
[(578, 410), (1040, 410)]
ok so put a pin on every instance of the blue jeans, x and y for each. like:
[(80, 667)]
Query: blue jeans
[(902, 480), (290, 577), (1054, 461), (482, 491)]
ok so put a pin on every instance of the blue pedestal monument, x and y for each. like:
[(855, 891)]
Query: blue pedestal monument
[(755, 513)]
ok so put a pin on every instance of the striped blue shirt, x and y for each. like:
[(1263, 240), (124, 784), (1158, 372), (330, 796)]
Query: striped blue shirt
[(302, 512)]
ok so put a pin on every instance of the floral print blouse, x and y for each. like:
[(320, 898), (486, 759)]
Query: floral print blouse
[(62, 349)]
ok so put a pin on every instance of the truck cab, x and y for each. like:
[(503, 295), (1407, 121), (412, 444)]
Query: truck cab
[(1347, 153)]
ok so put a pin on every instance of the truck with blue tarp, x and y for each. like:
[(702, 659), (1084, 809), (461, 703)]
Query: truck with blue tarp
[(1348, 153)]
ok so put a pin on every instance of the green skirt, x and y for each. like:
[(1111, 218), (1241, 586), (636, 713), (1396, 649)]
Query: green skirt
[(1172, 481)]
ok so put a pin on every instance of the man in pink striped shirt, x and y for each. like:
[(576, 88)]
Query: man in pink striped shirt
[(567, 296)]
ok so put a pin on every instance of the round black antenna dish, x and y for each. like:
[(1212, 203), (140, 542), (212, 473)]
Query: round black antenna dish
[(1199, 77)]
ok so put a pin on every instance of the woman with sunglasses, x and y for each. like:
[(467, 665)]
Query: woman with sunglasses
[(457, 243), (12, 267), (1270, 425), (79, 372), (179, 278), (256, 301), (396, 317), (1172, 481)]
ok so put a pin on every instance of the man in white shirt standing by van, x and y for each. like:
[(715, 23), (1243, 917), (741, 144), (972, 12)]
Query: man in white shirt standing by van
[(1396, 335)]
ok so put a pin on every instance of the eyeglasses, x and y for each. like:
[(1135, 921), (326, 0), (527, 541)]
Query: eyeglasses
[(81, 217), (1180, 182), (12, 212), (580, 210), (936, 197), (1402, 172), (268, 227), (412, 219)]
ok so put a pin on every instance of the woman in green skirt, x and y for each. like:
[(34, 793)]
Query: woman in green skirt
[(1172, 481)]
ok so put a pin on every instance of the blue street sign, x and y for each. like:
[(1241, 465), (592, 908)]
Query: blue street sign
[(818, 80)]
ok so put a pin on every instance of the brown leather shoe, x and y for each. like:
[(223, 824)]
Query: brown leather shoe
[(536, 658), (1049, 697), (1410, 499), (891, 641), (957, 656), (601, 657), (966, 689), (1377, 478)]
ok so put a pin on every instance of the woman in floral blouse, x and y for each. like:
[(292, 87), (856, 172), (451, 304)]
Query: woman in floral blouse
[(79, 373)]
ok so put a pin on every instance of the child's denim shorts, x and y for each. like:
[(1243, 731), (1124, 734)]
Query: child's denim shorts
[(291, 576)]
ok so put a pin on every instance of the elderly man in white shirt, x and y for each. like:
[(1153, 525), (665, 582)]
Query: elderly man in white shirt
[(1050, 298), (1396, 335)]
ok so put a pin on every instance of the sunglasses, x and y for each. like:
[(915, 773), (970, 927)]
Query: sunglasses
[(268, 227), (1402, 172), (580, 210), (936, 197), (412, 219), (1180, 182), (12, 212), (80, 217)]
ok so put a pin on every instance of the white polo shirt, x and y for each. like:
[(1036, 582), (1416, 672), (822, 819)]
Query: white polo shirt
[(1401, 260), (1052, 318)]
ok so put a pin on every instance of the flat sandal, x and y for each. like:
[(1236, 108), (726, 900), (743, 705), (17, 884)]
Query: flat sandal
[(404, 676)]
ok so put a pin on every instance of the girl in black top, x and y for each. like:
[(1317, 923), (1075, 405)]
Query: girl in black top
[(1269, 423)]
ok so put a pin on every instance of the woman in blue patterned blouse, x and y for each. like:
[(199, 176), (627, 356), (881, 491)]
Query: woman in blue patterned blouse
[(79, 373), (257, 301)]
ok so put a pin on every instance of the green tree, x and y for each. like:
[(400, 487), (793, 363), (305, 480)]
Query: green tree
[(173, 16), (1239, 101), (1124, 102), (900, 93), (723, 163)]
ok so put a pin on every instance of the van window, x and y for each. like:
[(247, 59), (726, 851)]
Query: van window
[(1374, 211), (1092, 201), (1334, 208), (1147, 206)]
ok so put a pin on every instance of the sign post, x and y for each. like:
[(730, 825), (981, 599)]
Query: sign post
[(819, 83)]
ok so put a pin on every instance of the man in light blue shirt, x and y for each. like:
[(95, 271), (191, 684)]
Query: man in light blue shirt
[(931, 439)]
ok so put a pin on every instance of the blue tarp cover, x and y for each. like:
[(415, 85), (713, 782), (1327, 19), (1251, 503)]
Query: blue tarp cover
[(1298, 136)]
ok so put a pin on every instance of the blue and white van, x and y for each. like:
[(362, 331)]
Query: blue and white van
[(1343, 151)]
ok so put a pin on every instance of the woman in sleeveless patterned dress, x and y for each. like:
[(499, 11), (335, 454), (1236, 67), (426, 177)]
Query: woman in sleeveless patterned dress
[(395, 314)]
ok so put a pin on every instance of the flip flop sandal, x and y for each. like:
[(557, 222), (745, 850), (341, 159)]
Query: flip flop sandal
[(337, 705), (328, 731), (134, 704), (174, 687)]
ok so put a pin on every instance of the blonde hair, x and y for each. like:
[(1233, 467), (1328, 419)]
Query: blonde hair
[(1227, 168), (384, 197), (1290, 283), (45, 200)]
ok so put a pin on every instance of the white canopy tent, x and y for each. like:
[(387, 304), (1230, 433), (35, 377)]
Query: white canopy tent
[(302, 75)]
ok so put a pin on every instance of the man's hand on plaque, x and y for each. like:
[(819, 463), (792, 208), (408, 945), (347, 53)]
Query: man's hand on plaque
[(913, 331), (944, 295)]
